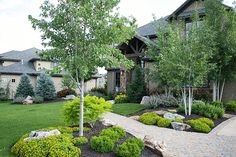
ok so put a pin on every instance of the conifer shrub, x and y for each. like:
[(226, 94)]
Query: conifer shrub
[(149, 118), (45, 87), (24, 88)]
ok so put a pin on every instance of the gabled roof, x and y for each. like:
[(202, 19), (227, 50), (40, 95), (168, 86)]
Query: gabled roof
[(150, 29), (22, 58)]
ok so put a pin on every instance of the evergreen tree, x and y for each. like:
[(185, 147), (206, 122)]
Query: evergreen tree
[(45, 87), (137, 88), (24, 88)]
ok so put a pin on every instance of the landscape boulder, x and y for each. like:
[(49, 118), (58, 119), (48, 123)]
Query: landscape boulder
[(70, 97), (42, 134), (28, 100), (173, 116), (145, 100), (180, 126)]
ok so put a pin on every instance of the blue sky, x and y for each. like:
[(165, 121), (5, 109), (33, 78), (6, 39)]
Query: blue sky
[(16, 32)]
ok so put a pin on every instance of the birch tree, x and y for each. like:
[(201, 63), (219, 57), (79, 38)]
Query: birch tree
[(182, 61), (221, 20), (81, 35)]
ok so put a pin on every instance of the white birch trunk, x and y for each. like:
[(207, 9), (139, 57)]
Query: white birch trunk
[(185, 101), (81, 115), (189, 100), (214, 91), (222, 90)]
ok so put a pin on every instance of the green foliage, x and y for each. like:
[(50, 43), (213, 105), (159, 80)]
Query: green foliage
[(59, 145), (18, 100), (180, 109), (24, 88), (94, 108), (202, 94), (137, 141), (65, 92), (132, 147), (121, 98), (149, 118), (4, 91), (115, 133), (217, 104), (208, 111), (102, 144), (38, 99), (80, 140), (178, 120), (100, 90), (231, 106), (65, 129), (164, 122), (137, 88), (207, 121), (45, 87), (68, 82), (199, 126)]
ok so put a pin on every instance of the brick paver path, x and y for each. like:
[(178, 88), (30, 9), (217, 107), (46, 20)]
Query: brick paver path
[(180, 143)]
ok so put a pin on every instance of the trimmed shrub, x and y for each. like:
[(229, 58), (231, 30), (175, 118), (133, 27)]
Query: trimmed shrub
[(162, 101), (137, 87), (94, 108), (120, 131), (178, 120), (149, 118), (24, 88), (59, 145), (111, 134), (65, 92), (121, 98), (45, 87), (199, 126), (80, 140), (102, 144), (180, 109), (18, 100), (231, 106), (38, 99), (207, 121), (138, 141), (164, 122), (132, 147)]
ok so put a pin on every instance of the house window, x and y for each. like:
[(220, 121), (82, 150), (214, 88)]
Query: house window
[(13, 80), (117, 79), (188, 27)]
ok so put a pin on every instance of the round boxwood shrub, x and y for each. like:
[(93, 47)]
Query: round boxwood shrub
[(207, 121), (113, 135), (102, 144), (149, 118), (64, 149), (164, 122), (199, 126), (128, 149), (121, 98), (138, 141), (80, 140), (231, 106), (120, 131)]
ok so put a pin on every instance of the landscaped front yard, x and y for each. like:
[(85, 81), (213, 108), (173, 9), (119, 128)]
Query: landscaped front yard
[(17, 120)]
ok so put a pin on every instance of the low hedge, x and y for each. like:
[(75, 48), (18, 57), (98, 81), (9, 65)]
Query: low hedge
[(59, 145), (231, 106), (80, 140), (149, 118)]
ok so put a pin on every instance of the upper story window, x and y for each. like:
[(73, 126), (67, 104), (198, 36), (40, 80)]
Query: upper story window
[(13, 80), (188, 26)]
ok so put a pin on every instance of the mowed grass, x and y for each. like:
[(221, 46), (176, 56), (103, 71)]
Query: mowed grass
[(16, 120), (127, 108)]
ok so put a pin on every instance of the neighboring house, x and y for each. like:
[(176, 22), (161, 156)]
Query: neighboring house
[(118, 78), (15, 63)]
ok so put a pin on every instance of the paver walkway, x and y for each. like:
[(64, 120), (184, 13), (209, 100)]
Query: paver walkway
[(180, 143)]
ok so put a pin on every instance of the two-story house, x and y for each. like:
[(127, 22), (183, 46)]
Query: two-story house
[(118, 79)]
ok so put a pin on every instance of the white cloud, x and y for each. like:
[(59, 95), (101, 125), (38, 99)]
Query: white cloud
[(16, 32)]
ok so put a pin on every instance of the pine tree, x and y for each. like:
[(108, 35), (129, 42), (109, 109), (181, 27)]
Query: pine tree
[(24, 88), (137, 88), (45, 87)]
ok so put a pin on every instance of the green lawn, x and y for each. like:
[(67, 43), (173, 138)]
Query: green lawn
[(127, 109), (16, 120)]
